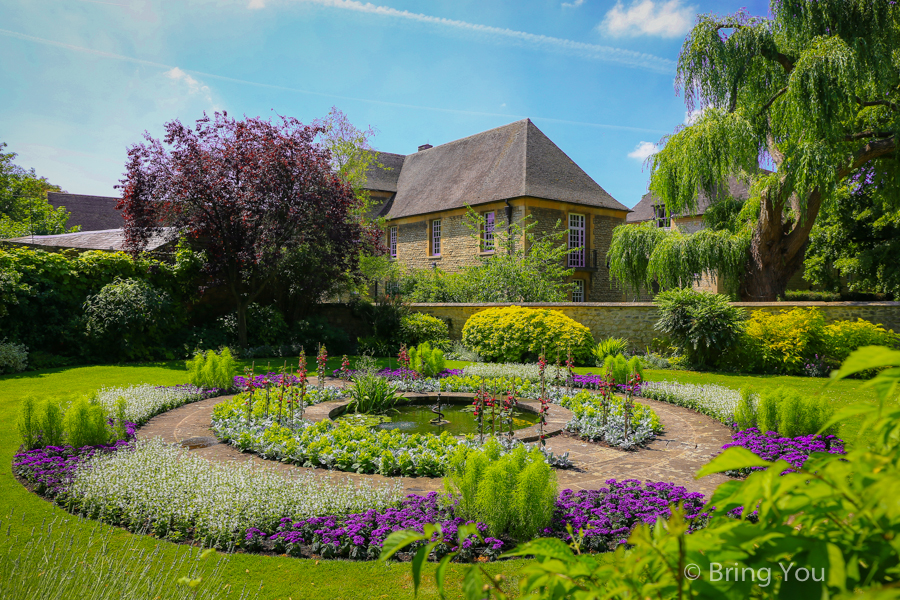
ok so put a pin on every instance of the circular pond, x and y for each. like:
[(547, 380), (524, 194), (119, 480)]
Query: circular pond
[(458, 419)]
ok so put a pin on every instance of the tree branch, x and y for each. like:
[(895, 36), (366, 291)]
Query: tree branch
[(887, 103), (768, 104), (867, 134), (872, 150)]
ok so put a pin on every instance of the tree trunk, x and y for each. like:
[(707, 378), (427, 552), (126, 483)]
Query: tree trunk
[(242, 323)]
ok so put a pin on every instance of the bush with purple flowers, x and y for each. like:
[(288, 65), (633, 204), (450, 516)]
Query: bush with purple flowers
[(605, 517), (772, 446)]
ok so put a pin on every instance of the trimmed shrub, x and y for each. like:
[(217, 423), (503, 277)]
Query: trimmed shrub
[(513, 495), (13, 357), (129, 319), (781, 342), (515, 333), (704, 326), (416, 328), (211, 370), (609, 347)]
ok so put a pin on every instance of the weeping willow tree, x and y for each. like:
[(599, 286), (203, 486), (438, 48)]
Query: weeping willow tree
[(815, 90)]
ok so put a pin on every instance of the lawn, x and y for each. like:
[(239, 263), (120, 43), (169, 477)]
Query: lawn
[(281, 577)]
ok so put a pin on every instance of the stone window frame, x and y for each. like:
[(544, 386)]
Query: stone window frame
[(392, 242), (488, 244), (434, 237), (579, 290), (577, 259)]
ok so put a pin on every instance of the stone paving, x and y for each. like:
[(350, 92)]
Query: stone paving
[(690, 440)]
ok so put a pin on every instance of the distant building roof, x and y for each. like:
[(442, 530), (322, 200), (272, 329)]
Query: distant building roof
[(644, 210), (507, 162), (110, 240), (92, 213)]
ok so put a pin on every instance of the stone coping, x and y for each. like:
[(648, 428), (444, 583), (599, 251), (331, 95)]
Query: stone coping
[(788, 304), (557, 417)]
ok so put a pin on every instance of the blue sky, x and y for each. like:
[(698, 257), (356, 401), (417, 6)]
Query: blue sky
[(81, 80)]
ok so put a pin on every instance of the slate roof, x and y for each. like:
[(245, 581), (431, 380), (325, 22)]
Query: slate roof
[(110, 240), (92, 213), (643, 210), (507, 162)]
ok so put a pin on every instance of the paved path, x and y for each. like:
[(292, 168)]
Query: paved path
[(690, 441)]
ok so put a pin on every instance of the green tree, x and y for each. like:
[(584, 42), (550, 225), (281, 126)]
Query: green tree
[(813, 89), (857, 238), (24, 209)]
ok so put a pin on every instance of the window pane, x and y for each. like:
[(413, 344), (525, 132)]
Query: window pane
[(393, 242), (488, 240), (578, 291), (576, 240), (436, 237)]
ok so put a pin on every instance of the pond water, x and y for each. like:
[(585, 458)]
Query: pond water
[(459, 418)]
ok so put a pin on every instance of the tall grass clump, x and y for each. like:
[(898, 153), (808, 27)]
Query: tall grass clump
[(609, 347), (28, 424), (426, 360), (745, 411), (211, 370), (53, 430), (513, 494), (622, 369), (786, 412), (371, 394), (85, 424)]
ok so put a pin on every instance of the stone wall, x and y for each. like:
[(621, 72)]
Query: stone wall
[(634, 320)]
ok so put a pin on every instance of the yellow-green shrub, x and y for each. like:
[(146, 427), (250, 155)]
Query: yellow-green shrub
[(781, 342), (843, 337), (514, 333)]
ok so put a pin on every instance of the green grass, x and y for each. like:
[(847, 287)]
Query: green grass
[(281, 577)]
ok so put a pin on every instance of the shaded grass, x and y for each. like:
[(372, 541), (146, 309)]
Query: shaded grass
[(281, 577)]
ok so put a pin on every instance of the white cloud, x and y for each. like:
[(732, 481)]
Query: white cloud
[(630, 58), (665, 18), (643, 151), (194, 86), (254, 4), (574, 4), (690, 117)]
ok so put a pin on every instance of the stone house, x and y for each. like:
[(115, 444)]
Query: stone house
[(504, 174)]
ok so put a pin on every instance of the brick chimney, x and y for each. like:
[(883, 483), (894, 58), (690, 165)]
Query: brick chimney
[(425, 147)]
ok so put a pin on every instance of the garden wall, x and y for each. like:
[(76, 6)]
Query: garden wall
[(634, 320)]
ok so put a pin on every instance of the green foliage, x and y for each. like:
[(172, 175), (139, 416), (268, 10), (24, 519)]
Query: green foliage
[(13, 357), (513, 494), (426, 360), (856, 241), (24, 208), (533, 272), (53, 429), (514, 333), (702, 325), (745, 412), (417, 327), (85, 424), (28, 423), (371, 394), (50, 289), (622, 369), (790, 414), (129, 319), (607, 347), (265, 326), (212, 370), (783, 342)]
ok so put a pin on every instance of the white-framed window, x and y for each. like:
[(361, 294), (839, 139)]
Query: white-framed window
[(576, 240), (578, 290), (392, 242), (487, 234), (663, 220), (436, 237)]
